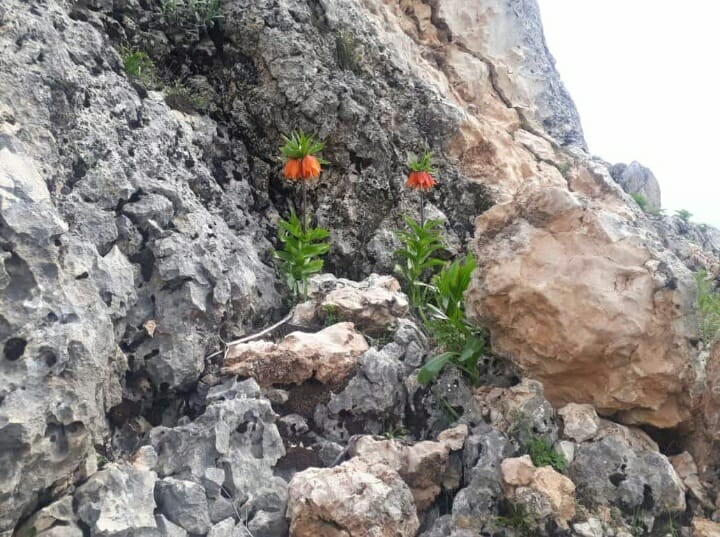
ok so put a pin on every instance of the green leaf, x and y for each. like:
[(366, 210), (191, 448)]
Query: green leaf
[(432, 367)]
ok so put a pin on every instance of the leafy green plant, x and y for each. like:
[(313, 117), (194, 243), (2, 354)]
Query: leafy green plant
[(543, 454), (420, 245), (466, 360), (331, 315), (463, 344), (192, 15), (684, 214), (640, 200), (708, 307), (347, 55), (181, 97), (518, 518), (138, 65), (300, 256)]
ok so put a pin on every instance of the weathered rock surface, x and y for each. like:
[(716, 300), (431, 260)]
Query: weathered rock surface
[(356, 498), (118, 502), (616, 469), (703, 527), (544, 492), (227, 451), (636, 178), (580, 422), (330, 356), (423, 465), (587, 303)]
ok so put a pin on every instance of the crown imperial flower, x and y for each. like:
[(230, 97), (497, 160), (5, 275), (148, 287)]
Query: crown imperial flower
[(299, 153)]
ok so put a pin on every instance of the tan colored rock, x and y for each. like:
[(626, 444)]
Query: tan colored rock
[(517, 471), (372, 310), (580, 422), (423, 466), (582, 301), (687, 470), (372, 304), (354, 499), (707, 418), (544, 491), (329, 356), (702, 527)]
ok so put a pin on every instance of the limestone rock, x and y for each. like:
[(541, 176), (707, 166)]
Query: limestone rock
[(707, 420), (544, 491), (687, 471), (636, 178), (330, 356), (355, 498), (580, 422), (237, 436), (423, 465), (118, 501), (703, 527), (183, 503), (585, 302), (613, 471)]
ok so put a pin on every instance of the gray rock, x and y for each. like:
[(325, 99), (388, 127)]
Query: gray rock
[(167, 528), (183, 503), (477, 502), (636, 178), (237, 435), (611, 471), (118, 501), (228, 528), (375, 394), (221, 508)]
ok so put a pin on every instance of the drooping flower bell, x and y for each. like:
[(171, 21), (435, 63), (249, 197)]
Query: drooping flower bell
[(299, 153), (421, 170)]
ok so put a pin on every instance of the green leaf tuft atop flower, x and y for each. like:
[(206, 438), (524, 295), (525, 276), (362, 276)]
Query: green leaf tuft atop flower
[(421, 164), (299, 145)]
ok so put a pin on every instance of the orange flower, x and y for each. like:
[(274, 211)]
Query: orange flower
[(293, 169), (420, 181), (310, 167)]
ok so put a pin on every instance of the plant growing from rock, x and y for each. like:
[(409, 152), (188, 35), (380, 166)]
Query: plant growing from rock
[(684, 215), (420, 245), (543, 454), (302, 244), (138, 65), (421, 178), (192, 15), (708, 307), (640, 200), (463, 344)]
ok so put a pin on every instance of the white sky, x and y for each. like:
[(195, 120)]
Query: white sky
[(645, 77)]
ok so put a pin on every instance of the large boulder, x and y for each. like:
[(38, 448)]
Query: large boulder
[(586, 301), (356, 498), (637, 179)]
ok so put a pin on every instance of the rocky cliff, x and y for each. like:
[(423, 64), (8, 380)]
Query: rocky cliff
[(138, 213)]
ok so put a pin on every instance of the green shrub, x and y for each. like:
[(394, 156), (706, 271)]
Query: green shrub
[(543, 454), (138, 65), (448, 326), (347, 52), (300, 256), (181, 97), (708, 307), (518, 518), (192, 15), (684, 214), (420, 244), (640, 200)]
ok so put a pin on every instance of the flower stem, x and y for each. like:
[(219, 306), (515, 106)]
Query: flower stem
[(422, 208), (304, 205)]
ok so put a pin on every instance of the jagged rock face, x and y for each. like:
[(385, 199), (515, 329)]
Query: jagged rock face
[(585, 299), (636, 178), (355, 498)]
